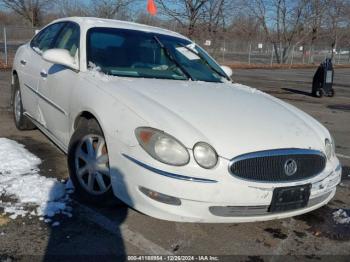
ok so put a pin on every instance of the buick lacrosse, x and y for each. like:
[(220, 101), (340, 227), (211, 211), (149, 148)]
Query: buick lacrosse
[(145, 115)]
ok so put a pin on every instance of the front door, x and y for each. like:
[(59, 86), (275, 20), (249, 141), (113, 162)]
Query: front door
[(56, 85), (29, 80)]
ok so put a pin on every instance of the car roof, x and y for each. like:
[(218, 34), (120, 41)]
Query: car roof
[(90, 22)]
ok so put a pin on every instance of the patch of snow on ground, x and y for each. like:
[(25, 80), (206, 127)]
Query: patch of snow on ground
[(21, 182), (341, 217)]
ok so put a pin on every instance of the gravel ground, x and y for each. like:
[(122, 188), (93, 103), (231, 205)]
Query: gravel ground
[(119, 231)]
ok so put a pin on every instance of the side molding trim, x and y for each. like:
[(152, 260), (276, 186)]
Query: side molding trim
[(47, 100), (167, 174)]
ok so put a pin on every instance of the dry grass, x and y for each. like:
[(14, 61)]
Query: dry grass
[(3, 220), (4, 67)]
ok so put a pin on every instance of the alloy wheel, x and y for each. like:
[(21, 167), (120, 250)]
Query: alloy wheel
[(92, 165)]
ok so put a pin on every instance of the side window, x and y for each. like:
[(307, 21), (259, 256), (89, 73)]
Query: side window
[(69, 38), (45, 39)]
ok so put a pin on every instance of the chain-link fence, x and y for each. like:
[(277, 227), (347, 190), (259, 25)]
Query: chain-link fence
[(226, 52), (264, 53), (11, 37)]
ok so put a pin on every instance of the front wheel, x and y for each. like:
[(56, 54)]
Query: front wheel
[(88, 163)]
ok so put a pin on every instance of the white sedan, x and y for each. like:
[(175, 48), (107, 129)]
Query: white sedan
[(147, 116)]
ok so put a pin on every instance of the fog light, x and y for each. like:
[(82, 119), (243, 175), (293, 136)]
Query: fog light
[(161, 197)]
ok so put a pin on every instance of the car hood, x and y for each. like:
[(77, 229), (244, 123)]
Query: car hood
[(233, 118)]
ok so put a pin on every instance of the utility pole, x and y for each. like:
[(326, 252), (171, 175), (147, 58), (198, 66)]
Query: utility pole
[(5, 47), (32, 9), (250, 50), (272, 50)]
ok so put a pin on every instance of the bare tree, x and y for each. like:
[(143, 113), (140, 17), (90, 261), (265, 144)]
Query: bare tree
[(108, 8), (245, 27), (4, 18), (214, 16), (336, 20), (186, 12), (145, 18), (30, 10), (285, 23), (71, 8), (315, 9), (347, 36)]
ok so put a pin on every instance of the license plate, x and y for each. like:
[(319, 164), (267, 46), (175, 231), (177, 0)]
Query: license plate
[(290, 198)]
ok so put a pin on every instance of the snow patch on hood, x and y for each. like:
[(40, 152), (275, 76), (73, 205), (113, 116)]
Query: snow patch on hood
[(30, 193), (96, 72)]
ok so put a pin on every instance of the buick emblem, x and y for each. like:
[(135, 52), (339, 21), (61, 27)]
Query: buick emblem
[(290, 167)]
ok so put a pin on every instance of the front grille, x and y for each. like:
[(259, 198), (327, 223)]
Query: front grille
[(270, 166)]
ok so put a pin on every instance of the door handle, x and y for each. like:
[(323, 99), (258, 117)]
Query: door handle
[(43, 74), (23, 62)]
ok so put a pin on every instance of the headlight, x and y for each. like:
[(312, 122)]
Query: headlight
[(205, 155), (328, 148), (162, 147)]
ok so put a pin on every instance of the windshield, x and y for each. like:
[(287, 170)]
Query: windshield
[(131, 53)]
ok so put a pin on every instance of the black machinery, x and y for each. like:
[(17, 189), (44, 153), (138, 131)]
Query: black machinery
[(322, 83)]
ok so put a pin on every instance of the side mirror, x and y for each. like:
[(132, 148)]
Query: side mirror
[(61, 57), (228, 71)]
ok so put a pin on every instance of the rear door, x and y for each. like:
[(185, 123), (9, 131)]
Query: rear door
[(56, 85), (31, 68)]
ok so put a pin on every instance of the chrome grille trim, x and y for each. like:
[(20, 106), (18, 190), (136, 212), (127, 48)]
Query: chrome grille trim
[(316, 200), (247, 211), (238, 211), (315, 155)]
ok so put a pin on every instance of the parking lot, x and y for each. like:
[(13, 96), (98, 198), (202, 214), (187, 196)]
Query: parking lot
[(121, 231)]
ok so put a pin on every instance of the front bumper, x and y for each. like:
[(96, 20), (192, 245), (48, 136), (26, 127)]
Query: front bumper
[(200, 201)]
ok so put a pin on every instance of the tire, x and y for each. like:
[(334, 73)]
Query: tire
[(21, 121), (90, 158), (331, 93), (319, 93)]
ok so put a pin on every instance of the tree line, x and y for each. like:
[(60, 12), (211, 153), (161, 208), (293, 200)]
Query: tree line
[(285, 24)]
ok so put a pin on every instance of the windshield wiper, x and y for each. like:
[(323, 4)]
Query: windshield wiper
[(170, 56), (205, 60)]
